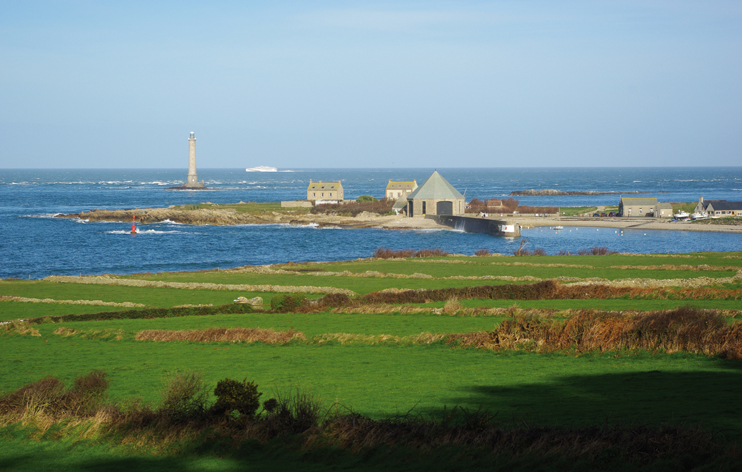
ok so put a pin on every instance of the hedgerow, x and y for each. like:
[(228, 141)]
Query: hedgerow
[(185, 421), (236, 308)]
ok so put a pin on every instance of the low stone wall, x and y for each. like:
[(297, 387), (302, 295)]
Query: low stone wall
[(472, 224), (296, 204)]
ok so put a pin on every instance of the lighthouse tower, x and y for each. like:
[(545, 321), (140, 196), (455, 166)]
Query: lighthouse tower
[(192, 176)]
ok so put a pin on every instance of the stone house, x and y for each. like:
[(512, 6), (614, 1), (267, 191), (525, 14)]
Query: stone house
[(325, 192), (718, 208), (663, 210), (435, 196), (398, 189), (637, 206)]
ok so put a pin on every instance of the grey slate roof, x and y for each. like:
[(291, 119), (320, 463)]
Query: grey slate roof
[(323, 185), (719, 205), (435, 187), (400, 204), (639, 200)]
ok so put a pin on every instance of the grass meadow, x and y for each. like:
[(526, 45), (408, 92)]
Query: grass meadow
[(365, 361)]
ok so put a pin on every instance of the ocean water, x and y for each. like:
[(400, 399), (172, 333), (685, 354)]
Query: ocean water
[(34, 244)]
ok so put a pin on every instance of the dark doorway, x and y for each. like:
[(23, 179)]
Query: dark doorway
[(444, 208)]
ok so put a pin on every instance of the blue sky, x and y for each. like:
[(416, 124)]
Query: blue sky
[(87, 84)]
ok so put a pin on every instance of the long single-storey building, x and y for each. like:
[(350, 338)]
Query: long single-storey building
[(718, 208), (637, 206), (435, 196)]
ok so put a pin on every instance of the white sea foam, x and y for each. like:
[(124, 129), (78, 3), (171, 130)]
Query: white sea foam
[(170, 222), (42, 215)]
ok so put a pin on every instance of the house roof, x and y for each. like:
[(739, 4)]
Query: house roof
[(639, 200), (400, 204), (401, 185), (435, 187), (718, 205), (324, 185)]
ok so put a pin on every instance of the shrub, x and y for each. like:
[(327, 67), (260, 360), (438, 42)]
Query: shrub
[(382, 207), (595, 251), (430, 253), (387, 253), (242, 397), (49, 396), (287, 303), (184, 396), (334, 300), (482, 252), (294, 412), (452, 306), (366, 198), (270, 405)]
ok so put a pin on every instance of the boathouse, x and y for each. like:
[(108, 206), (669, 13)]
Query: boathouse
[(435, 196)]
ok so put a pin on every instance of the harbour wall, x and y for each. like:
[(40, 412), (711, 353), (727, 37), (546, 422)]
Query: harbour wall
[(472, 224)]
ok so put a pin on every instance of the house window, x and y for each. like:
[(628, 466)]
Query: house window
[(323, 194), (314, 194), (424, 210)]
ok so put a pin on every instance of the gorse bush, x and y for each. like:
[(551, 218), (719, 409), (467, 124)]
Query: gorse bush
[(287, 303), (366, 198), (233, 396), (184, 396), (50, 397)]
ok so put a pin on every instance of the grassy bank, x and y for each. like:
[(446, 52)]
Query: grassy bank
[(364, 353)]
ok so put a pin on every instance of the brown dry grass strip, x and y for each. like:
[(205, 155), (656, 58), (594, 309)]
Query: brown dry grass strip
[(682, 330), (69, 302), (107, 280), (230, 335)]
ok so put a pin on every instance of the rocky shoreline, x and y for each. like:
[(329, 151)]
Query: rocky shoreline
[(229, 216)]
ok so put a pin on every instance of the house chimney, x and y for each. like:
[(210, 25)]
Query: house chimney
[(700, 199)]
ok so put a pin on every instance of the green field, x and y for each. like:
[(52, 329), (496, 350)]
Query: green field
[(378, 380)]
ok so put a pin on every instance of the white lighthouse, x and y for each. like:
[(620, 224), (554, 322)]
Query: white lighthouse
[(192, 176)]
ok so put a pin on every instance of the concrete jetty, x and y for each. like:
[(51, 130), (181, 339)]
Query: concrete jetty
[(471, 224)]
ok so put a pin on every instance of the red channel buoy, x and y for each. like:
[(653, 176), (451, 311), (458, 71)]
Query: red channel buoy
[(133, 224)]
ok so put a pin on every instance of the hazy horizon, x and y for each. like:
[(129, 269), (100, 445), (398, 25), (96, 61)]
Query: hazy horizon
[(328, 84)]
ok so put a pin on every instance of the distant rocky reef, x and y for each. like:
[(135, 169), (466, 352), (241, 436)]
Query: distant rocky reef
[(550, 192)]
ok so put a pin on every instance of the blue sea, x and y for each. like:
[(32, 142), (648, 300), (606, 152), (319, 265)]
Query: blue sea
[(34, 245)]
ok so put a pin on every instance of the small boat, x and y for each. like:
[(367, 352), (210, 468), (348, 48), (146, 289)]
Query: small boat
[(261, 169), (557, 228)]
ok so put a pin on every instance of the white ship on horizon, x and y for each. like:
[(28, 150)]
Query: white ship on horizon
[(261, 169)]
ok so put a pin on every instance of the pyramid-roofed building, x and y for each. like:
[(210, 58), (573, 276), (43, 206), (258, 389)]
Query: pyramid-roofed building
[(435, 196)]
